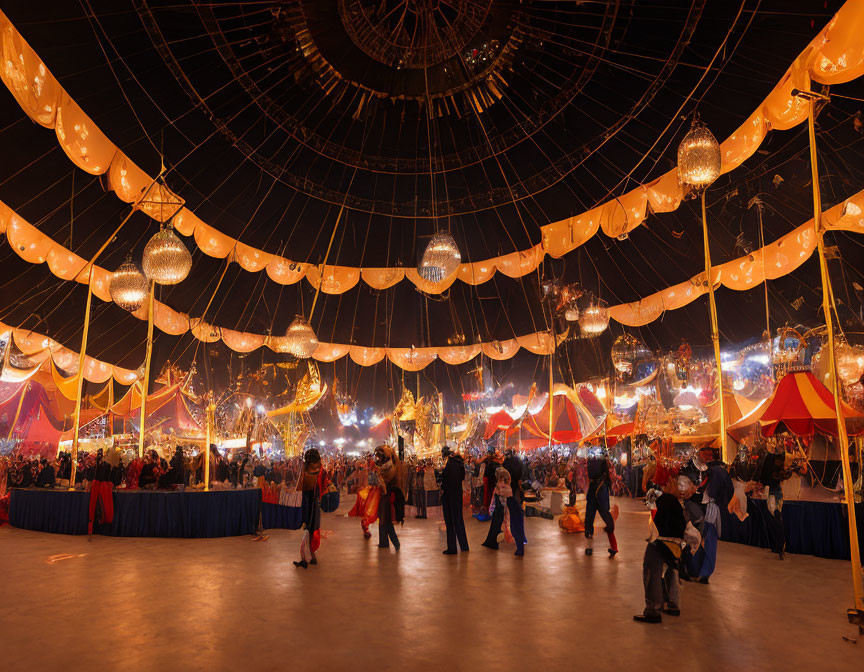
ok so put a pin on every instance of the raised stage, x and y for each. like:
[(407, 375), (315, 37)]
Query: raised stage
[(146, 513)]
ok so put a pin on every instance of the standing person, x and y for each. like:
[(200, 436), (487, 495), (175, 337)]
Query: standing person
[(101, 497), (713, 494), (451, 501), (513, 465), (391, 506), (597, 500), (506, 512), (772, 474), (312, 483), (663, 552)]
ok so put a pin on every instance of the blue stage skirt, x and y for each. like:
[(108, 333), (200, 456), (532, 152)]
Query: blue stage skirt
[(145, 513), (812, 528)]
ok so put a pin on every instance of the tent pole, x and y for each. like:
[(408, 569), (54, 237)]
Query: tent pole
[(715, 334), (827, 292), (208, 412), (146, 382), (83, 352)]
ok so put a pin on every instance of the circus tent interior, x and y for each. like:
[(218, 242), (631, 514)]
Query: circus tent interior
[(604, 246)]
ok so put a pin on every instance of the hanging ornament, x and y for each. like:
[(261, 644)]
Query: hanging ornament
[(128, 287), (850, 362), (441, 258), (166, 260), (300, 339), (625, 351), (594, 319), (571, 313), (698, 157)]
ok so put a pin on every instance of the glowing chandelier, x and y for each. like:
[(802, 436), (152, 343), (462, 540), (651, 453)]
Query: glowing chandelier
[(166, 260), (300, 339), (128, 287), (440, 259), (594, 320), (698, 157)]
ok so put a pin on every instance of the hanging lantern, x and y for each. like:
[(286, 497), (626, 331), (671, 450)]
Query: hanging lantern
[(594, 319), (819, 366), (625, 351), (850, 362), (128, 287), (441, 258), (698, 157), (571, 313), (300, 339), (166, 260)]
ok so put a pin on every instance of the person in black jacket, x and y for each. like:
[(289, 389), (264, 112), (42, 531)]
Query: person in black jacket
[(663, 553), (514, 465), (451, 501)]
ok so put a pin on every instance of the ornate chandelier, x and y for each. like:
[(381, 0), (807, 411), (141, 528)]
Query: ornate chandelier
[(441, 258), (625, 351), (594, 319), (698, 157), (166, 260), (128, 287), (850, 362), (300, 339)]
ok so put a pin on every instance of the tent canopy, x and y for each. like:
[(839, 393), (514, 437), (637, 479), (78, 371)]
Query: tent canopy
[(571, 420), (800, 405)]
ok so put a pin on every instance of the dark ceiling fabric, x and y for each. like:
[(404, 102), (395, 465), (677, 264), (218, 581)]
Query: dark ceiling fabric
[(623, 69)]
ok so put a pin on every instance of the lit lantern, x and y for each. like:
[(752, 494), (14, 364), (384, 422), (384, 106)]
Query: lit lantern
[(625, 351), (128, 287), (441, 258), (571, 314), (594, 319), (850, 362), (166, 260), (300, 339), (698, 157)]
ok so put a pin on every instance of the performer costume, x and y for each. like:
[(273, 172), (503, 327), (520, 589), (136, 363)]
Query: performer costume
[(312, 483), (663, 552), (597, 500), (714, 490), (451, 501), (490, 465), (507, 513), (391, 506), (366, 507), (101, 489)]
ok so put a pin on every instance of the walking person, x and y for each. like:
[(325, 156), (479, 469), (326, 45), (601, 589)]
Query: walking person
[(391, 506), (597, 500), (451, 501), (312, 483)]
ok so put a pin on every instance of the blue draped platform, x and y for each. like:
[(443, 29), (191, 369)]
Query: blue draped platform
[(812, 528), (144, 513)]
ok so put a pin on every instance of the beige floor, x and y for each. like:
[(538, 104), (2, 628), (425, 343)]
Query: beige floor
[(231, 604)]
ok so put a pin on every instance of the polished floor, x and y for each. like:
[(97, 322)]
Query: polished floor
[(234, 604)]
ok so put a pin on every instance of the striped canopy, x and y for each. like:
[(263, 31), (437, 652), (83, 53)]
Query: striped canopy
[(800, 405)]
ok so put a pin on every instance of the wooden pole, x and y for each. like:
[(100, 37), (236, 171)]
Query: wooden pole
[(145, 383), (715, 335), (82, 354), (208, 414), (842, 437)]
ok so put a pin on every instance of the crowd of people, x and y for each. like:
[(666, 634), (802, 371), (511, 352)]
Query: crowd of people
[(685, 496)]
